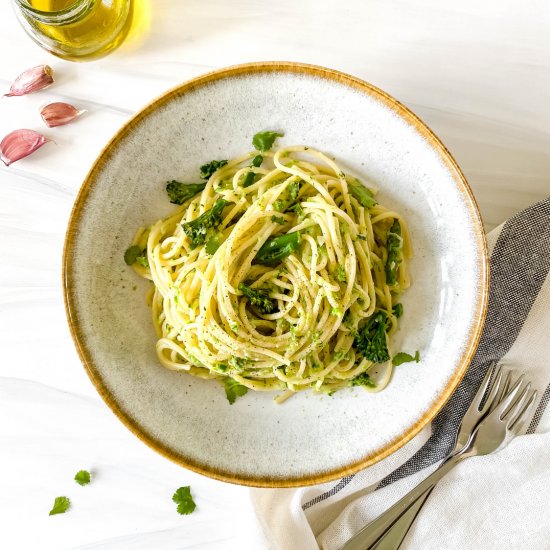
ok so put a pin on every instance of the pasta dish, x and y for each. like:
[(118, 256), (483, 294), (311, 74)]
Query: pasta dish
[(279, 271)]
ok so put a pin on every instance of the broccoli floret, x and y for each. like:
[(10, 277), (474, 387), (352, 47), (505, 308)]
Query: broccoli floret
[(397, 310), (131, 254), (208, 169), (197, 229), (259, 297), (362, 380), (135, 254), (276, 249), (370, 340), (395, 248), (179, 192)]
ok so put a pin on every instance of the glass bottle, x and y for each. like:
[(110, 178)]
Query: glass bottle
[(77, 30)]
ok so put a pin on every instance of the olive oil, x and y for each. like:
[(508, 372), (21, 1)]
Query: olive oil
[(81, 30)]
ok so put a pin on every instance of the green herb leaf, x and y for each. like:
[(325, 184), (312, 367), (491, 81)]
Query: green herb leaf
[(278, 219), (208, 169), (131, 254), (233, 389), (182, 497), (395, 248), (276, 249), (263, 141), (179, 192), (259, 297), (82, 477), (60, 506), (363, 380), (402, 357), (364, 195)]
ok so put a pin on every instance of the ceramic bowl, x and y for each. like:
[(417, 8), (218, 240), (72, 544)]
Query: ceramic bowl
[(310, 438)]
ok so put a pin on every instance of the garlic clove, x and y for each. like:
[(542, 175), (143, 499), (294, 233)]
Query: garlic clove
[(20, 144), (31, 80), (59, 113)]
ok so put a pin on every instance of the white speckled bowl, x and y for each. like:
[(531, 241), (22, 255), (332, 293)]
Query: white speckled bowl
[(309, 439)]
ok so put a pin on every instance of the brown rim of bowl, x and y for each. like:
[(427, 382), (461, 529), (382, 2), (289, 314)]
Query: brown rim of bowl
[(411, 119)]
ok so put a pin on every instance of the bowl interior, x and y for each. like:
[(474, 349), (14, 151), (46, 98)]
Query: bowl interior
[(310, 438)]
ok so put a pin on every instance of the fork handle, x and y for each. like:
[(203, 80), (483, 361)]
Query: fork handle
[(394, 536), (373, 532)]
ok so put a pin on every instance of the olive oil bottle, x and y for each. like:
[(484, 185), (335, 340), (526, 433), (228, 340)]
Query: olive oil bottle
[(79, 30)]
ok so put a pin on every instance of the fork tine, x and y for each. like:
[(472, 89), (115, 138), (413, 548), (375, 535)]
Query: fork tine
[(485, 385), (494, 391), (518, 401), (504, 389), (520, 416), (509, 398)]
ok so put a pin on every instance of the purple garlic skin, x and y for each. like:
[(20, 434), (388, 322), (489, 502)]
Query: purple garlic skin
[(20, 144), (59, 113), (32, 80)]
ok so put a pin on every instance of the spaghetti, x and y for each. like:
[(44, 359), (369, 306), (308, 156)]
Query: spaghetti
[(273, 274)]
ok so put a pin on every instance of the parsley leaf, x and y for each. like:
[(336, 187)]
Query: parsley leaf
[(233, 389), (263, 141), (278, 219), (182, 497), (402, 357), (60, 506), (364, 196), (82, 477)]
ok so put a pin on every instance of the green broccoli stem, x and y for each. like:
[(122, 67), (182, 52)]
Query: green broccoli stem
[(276, 249), (394, 244)]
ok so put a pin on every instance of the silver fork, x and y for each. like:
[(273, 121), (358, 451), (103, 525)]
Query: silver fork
[(493, 425), (489, 394)]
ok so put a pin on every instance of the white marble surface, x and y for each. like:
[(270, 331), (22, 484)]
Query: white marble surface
[(477, 72)]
